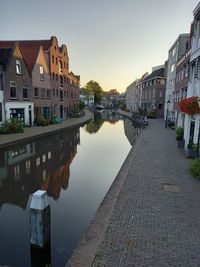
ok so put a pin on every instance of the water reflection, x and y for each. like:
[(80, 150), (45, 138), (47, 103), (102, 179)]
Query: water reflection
[(41, 257), (131, 131), (99, 118), (42, 164)]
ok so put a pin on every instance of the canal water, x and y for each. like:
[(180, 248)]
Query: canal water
[(76, 167)]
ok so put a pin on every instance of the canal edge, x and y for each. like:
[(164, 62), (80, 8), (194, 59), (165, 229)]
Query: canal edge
[(68, 125), (86, 249)]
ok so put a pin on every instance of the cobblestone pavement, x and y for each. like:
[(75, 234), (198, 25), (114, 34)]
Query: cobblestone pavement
[(156, 218)]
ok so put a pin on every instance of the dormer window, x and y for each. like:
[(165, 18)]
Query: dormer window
[(41, 73), (18, 67)]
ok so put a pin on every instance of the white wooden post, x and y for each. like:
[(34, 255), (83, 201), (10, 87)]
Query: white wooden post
[(40, 219)]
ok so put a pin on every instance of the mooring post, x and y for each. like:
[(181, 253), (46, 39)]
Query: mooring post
[(40, 219)]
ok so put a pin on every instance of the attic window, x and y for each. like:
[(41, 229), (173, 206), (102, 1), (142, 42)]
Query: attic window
[(18, 66), (41, 73)]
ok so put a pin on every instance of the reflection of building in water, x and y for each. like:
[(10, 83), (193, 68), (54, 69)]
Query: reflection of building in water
[(99, 118), (42, 164), (131, 132)]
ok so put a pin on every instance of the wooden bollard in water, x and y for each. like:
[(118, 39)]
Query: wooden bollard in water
[(40, 219)]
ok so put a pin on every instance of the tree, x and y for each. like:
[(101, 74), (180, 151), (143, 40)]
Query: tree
[(93, 87)]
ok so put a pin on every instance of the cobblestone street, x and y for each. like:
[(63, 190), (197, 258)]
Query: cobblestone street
[(155, 218)]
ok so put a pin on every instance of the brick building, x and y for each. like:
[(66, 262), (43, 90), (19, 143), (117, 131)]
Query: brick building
[(16, 96), (153, 92), (55, 89)]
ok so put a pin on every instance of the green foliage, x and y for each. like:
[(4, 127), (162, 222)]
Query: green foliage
[(93, 87), (151, 115), (81, 105), (94, 126), (195, 168), (41, 121), (12, 126), (192, 146), (179, 133), (53, 119)]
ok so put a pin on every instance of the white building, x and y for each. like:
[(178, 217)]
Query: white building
[(131, 104), (2, 108), (192, 122)]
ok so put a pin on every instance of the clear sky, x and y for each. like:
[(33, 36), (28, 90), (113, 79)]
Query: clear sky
[(110, 41)]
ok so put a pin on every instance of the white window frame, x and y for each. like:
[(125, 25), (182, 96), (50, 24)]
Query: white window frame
[(18, 67)]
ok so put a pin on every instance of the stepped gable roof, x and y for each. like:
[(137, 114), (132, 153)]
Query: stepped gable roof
[(4, 56), (155, 73)]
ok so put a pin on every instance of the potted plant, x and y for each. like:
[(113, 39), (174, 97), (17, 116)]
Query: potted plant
[(179, 137), (191, 151)]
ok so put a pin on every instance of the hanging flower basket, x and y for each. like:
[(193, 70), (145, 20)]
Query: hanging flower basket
[(189, 105)]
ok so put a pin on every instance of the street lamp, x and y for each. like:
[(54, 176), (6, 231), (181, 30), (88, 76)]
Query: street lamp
[(198, 141), (166, 121)]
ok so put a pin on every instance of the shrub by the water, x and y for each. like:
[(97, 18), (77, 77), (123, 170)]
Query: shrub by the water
[(195, 168), (12, 126)]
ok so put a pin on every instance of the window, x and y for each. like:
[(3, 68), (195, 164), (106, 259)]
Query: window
[(28, 166), (13, 90), (56, 77), (1, 82), (44, 175), (56, 61), (56, 92), (17, 113), (48, 93), (60, 66), (174, 51), (18, 66), (25, 90), (172, 68), (1, 112), (53, 75), (42, 93), (36, 92), (162, 82), (49, 155), (61, 81), (41, 73), (16, 172), (37, 162), (61, 96), (53, 92), (52, 59), (44, 157)]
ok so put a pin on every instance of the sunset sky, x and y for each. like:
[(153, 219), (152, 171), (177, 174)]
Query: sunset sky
[(110, 41)]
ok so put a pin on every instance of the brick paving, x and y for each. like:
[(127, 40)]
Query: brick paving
[(154, 220)]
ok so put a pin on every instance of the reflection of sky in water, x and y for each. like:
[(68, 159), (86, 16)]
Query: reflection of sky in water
[(97, 162)]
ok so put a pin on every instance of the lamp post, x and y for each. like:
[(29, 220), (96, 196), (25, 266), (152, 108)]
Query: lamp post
[(198, 140), (166, 121)]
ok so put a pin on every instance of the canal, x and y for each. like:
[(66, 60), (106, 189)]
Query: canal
[(76, 167)]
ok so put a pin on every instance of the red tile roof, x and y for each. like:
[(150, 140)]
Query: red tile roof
[(30, 55), (29, 49), (27, 43)]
